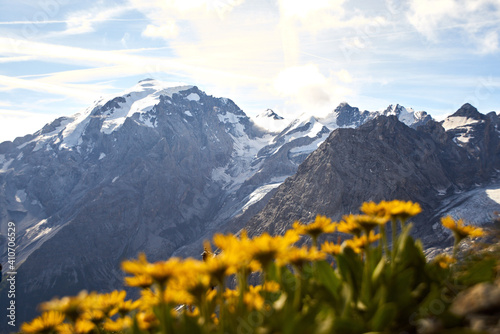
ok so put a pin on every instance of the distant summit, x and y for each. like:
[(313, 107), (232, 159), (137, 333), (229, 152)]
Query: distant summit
[(451, 170), (270, 121), (269, 113), (468, 111)]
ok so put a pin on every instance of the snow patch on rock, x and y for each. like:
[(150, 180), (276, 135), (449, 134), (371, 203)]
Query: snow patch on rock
[(193, 97)]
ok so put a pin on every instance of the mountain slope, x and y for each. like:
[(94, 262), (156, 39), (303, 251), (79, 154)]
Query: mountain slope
[(281, 157), (384, 159), (144, 171)]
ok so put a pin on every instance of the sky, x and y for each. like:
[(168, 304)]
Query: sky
[(293, 56)]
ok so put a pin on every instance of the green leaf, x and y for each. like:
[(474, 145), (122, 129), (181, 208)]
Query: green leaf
[(384, 316), (348, 326), (400, 289), (191, 325), (328, 277), (288, 281), (482, 271), (379, 270), (351, 268)]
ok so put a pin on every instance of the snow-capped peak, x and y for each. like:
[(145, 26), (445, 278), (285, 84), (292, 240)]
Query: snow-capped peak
[(141, 99), (406, 115), (270, 121), (113, 110), (152, 86), (269, 113)]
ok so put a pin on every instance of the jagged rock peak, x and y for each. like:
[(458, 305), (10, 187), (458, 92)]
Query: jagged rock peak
[(344, 106), (396, 109), (468, 111), (384, 124), (269, 113)]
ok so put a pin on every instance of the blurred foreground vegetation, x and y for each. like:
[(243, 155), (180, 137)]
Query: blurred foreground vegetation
[(363, 284)]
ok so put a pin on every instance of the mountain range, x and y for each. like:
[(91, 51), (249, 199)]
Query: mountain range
[(158, 169)]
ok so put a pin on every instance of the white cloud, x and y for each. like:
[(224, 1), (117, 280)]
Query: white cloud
[(125, 39), (17, 123), (109, 65), (308, 87), (167, 30), (80, 92), (489, 42), (320, 15), (477, 20), (302, 9), (83, 22), (16, 59), (165, 15), (293, 79), (344, 76)]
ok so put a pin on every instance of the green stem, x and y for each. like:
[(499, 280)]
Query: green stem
[(366, 283), (455, 247), (220, 301), (242, 287), (298, 290), (163, 310), (384, 240), (394, 243)]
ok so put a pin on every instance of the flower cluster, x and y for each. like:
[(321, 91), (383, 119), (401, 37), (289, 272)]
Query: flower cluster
[(214, 294)]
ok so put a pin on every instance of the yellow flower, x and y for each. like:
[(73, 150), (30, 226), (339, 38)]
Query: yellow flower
[(360, 243), (136, 267), (163, 271), (271, 286), (349, 227), (219, 267), (127, 306), (461, 231), (320, 225), (365, 222), (211, 294), (400, 209), (118, 325), (444, 260), (235, 249), (176, 295), (147, 321), (300, 256), (171, 295), (80, 327), (160, 272), (231, 299), (331, 248), (195, 282), (93, 315), (46, 323), (108, 302), (215, 319), (229, 293), (149, 299), (265, 248), (140, 281), (252, 299), (375, 209), (192, 312), (71, 307)]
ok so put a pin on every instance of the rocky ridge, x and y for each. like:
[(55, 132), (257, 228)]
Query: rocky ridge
[(385, 159)]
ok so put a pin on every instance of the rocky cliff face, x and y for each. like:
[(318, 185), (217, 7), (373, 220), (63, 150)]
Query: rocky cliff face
[(385, 159)]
